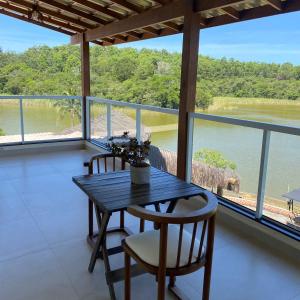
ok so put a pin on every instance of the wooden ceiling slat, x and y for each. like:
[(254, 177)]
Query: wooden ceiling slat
[(99, 8), (23, 18), (129, 5), (173, 26), (277, 4), (204, 5), (151, 30), (55, 14), (75, 11), (135, 34), (232, 12)]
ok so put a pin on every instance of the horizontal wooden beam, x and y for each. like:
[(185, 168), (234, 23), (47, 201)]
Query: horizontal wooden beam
[(145, 19)]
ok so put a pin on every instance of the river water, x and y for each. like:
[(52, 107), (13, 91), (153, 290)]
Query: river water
[(239, 144)]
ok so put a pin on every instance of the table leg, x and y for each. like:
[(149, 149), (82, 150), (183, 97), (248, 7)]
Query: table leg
[(171, 206), (91, 221), (100, 238)]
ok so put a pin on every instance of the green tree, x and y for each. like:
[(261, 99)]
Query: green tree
[(2, 133), (69, 106), (214, 158), (204, 97)]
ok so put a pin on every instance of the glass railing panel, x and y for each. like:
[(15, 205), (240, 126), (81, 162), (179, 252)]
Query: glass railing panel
[(162, 129), (10, 129), (98, 124), (226, 160), (52, 119), (283, 178), (123, 119)]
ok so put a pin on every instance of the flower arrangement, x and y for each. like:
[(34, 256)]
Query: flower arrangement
[(134, 152)]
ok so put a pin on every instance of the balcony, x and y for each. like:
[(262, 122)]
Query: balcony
[(44, 255), (44, 216)]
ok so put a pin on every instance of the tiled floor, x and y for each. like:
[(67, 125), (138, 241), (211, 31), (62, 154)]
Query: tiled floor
[(44, 255)]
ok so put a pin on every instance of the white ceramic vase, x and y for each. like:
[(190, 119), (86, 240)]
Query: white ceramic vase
[(140, 175)]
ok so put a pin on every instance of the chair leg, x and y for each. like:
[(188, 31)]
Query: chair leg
[(209, 257), (161, 287), (127, 276), (172, 281), (206, 283)]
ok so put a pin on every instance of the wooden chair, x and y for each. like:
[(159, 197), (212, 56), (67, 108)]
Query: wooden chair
[(103, 163), (172, 251)]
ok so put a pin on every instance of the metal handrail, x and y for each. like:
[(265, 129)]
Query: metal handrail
[(39, 97), (248, 123), (134, 105)]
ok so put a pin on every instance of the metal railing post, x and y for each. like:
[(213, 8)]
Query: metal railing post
[(263, 173), (189, 159), (21, 120), (108, 120), (88, 119), (138, 125)]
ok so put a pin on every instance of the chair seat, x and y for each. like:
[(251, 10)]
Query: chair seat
[(189, 205), (146, 246)]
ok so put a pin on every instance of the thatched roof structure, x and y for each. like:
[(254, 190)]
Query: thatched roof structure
[(202, 174)]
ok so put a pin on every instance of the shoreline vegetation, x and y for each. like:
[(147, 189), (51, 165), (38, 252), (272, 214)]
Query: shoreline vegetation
[(218, 103)]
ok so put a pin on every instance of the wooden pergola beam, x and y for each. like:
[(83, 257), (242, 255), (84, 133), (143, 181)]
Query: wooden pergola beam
[(46, 19), (145, 19), (55, 14), (23, 18)]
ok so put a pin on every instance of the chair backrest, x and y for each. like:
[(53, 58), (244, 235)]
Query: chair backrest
[(200, 238), (103, 163)]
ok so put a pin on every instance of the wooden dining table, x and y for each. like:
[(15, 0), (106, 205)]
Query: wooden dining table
[(114, 192)]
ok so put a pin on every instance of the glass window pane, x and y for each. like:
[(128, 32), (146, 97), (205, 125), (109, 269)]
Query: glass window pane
[(98, 121), (163, 131), (52, 119), (283, 177), (226, 159), (123, 119), (10, 131)]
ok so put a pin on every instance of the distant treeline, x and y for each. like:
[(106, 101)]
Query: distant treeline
[(143, 76)]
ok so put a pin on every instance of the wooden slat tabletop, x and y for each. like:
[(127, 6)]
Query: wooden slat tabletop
[(114, 191)]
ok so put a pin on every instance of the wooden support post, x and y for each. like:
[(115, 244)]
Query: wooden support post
[(189, 66), (85, 80)]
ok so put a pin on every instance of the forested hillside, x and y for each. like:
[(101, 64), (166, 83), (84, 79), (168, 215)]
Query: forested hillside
[(145, 76)]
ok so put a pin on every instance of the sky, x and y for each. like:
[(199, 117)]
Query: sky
[(273, 39)]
